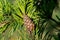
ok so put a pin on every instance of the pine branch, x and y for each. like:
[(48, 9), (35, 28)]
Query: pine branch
[(55, 21), (3, 23)]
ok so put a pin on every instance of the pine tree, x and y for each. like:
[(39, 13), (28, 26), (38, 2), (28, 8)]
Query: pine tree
[(29, 20)]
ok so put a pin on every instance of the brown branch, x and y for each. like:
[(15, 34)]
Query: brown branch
[(3, 23)]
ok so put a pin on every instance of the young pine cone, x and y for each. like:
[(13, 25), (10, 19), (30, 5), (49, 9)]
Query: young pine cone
[(28, 23)]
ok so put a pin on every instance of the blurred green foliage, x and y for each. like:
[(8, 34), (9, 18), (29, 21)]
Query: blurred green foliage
[(45, 15)]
